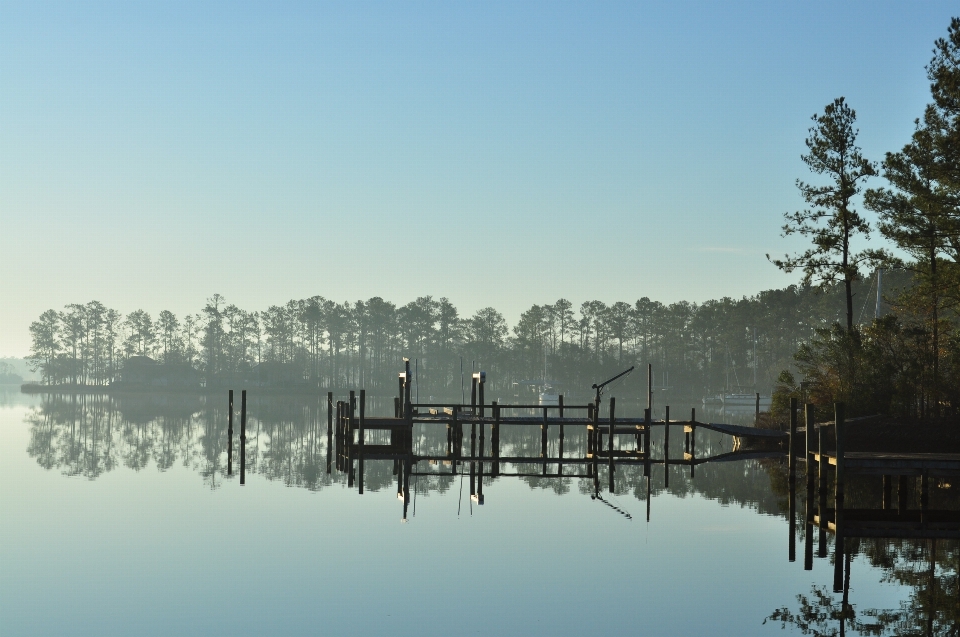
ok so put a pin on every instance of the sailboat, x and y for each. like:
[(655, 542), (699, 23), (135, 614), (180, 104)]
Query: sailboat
[(742, 399)]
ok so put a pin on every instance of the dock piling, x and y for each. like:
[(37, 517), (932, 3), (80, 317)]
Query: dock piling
[(243, 437), (230, 434), (613, 427), (360, 436)]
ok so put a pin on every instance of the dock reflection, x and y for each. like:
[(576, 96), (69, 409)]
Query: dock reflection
[(915, 541)]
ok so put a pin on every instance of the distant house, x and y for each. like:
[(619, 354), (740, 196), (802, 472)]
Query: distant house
[(144, 371), (139, 370)]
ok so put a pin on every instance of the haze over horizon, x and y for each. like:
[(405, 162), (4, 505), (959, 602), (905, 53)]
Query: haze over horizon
[(497, 154)]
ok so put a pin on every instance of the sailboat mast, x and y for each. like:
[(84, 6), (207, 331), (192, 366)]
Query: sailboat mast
[(876, 312)]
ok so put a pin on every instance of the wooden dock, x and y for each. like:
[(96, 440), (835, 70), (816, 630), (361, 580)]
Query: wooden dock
[(891, 520), (473, 439)]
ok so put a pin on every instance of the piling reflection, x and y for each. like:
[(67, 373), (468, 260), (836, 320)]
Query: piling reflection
[(916, 543), (905, 525)]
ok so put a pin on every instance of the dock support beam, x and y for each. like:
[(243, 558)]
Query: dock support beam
[(243, 437), (230, 434), (666, 447), (613, 428), (839, 420), (360, 442)]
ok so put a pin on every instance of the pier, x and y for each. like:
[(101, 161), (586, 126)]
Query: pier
[(473, 439), (892, 520)]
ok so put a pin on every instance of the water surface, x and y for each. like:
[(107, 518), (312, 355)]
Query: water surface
[(118, 518)]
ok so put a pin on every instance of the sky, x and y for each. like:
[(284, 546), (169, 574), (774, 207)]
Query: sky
[(498, 154)]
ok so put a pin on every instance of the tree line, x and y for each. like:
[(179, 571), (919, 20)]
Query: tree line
[(694, 348)]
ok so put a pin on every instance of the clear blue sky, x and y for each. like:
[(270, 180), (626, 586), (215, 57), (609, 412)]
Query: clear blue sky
[(505, 154)]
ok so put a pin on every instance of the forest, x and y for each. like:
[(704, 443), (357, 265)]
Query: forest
[(695, 348)]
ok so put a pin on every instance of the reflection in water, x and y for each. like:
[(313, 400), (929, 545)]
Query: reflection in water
[(88, 435), (913, 556)]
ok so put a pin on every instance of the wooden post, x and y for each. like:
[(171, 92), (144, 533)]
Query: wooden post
[(808, 414), (483, 381), (693, 444), (560, 441), (473, 454), (649, 386), (543, 441), (791, 442), (756, 417), (666, 447), (243, 437), (560, 411), (646, 442), (822, 492), (496, 438), (611, 467), (808, 526), (792, 506), (480, 466), (360, 433), (457, 435), (596, 441), (808, 522), (887, 492), (839, 420), (230, 434), (329, 430)]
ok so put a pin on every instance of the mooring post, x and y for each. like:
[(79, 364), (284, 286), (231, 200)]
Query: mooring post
[(230, 434), (792, 506), (808, 414), (839, 420), (243, 437), (363, 408), (613, 428), (808, 514), (791, 443), (457, 435), (822, 466), (473, 454), (543, 441), (480, 385), (495, 438), (646, 442), (589, 430), (339, 437), (596, 441), (693, 443), (329, 431), (649, 386), (480, 466), (666, 447)]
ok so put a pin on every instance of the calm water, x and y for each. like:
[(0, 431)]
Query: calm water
[(118, 518)]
